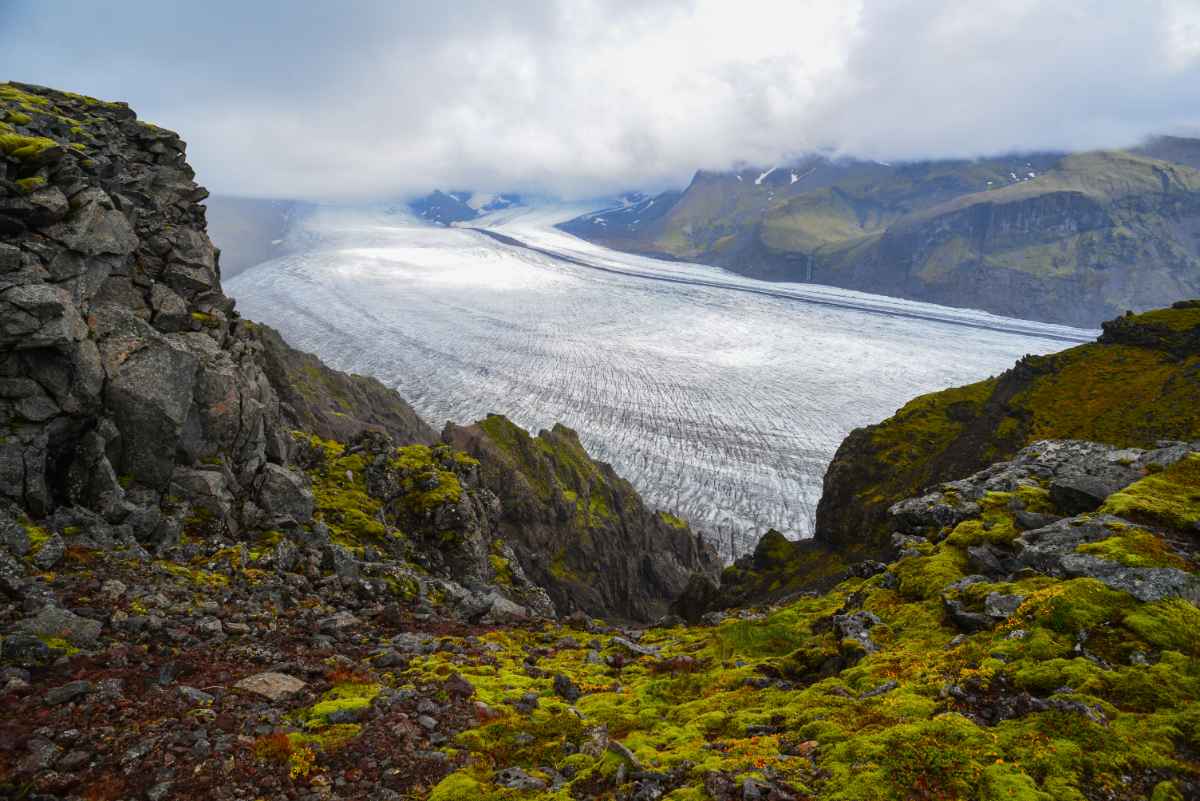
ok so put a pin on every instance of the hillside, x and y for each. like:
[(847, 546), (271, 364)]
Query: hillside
[(228, 571), (1075, 238)]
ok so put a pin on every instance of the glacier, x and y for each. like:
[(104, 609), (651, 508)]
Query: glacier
[(719, 397)]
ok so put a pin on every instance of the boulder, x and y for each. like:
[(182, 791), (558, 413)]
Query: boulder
[(54, 621), (284, 495), (1079, 494), (272, 686)]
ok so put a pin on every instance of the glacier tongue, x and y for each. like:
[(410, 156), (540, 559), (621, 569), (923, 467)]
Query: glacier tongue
[(717, 396)]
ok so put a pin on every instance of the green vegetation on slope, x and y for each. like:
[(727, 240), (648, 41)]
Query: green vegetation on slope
[(913, 709), (1137, 385)]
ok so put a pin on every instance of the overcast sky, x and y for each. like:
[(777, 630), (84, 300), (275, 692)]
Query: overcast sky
[(584, 97)]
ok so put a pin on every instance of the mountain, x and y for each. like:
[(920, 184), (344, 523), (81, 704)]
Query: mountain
[(445, 208), (250, 230), (229, 571), (1066, 238)]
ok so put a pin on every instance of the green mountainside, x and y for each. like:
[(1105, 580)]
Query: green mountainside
[(1073, 238)]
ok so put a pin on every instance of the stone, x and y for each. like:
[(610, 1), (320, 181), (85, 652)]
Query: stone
[(196, 696), (338, 622), (39, 316), (284, 495), (50, 553), (1076, 495), (517, 779), (49, 205), (1002, 606), (566, 689), (54, 621), (856, 626), (95, 227), (272, 686), (68, 692)]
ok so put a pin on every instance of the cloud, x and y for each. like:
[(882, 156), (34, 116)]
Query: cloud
[(584, 97)]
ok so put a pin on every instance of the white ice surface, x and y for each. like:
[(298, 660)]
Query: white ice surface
[(718, 396)]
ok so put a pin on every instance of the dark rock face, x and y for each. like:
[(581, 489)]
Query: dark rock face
[(578, 529), (121, 355)]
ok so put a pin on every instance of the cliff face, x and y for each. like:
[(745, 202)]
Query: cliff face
[(579, 529), (137, 408), (1072, 239)]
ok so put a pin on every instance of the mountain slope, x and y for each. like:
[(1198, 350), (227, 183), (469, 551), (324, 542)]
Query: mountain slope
[(1136, 385), (1072, 238)]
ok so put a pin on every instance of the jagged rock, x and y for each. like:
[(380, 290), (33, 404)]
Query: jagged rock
[(1145, 583), (51, 551), (94, 227), (285, 495), (272, 686), (566, 689), (697, 598), (965, 620)]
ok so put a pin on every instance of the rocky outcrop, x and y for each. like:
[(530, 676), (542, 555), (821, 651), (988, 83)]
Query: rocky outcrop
[(579, 529), (126, 369)]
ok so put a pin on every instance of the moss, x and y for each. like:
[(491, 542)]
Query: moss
[(671, 520), (1168, 498), (342, 698), (24, 148), (18, 117), (429, 483), (1135, 547), (461, 787), (1169, 624), (59, 644), (502, 569), (925, 577)]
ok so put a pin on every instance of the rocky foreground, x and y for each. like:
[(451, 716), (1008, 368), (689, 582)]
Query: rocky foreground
[(227, 571)]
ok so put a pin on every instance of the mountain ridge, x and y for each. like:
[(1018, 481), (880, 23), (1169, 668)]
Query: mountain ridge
[(1052, 237)]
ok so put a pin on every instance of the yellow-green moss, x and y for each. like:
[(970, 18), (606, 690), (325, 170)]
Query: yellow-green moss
[(1168, 498), (672, 520)]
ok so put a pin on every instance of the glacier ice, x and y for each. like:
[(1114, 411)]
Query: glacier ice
[(718, 396)]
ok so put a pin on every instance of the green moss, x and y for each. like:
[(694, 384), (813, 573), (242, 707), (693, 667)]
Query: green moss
[(18, 117), (671, 520), (347, 697), (925, 577), (23, 148), (60, 644), (1169, 625), (1135, 547), (1168, 498), (429, 482)]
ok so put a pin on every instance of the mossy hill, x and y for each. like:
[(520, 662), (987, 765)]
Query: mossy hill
[(1139, 383), (1074, 238)]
